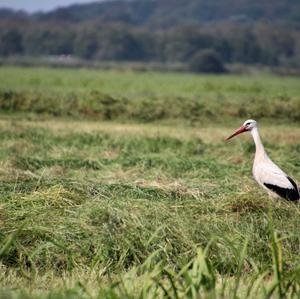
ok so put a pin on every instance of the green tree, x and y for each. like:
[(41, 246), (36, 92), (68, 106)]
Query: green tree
[(206, 61), (11, 42)]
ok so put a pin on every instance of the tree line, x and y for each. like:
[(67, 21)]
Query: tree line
[(224, 42)]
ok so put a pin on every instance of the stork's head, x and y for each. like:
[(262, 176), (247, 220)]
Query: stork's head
[(248, 125)]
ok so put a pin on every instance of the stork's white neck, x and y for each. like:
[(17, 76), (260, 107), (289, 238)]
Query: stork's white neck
[(260, 150)]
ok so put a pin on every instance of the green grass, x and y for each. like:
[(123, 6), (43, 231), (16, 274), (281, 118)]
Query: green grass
[(97, 209), (147, 97)]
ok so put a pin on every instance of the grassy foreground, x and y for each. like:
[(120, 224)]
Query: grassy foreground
[(97, 209), (89, 207)]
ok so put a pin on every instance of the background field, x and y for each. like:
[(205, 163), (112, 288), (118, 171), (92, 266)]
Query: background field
[(120, 185), (148, 97)]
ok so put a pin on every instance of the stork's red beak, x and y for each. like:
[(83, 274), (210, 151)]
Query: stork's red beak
[(240, 130)]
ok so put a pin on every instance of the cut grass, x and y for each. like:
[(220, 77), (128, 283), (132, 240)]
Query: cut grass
[(83, 200), (95, 209)]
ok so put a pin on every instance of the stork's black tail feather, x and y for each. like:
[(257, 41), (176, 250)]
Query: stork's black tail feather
[(289, 194)]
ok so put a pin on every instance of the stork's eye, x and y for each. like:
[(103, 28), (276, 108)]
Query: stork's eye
[(248, 124)]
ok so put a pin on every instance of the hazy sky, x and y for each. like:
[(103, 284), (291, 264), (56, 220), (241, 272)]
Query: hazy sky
[(36, 5)]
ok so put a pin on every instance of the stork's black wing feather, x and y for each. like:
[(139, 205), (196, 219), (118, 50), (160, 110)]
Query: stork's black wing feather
[(293, 183), (289, 194)]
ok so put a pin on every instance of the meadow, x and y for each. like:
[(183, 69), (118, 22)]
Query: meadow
[(116, 184)]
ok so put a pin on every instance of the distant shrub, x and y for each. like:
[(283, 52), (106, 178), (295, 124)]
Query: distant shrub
[(206, 61)]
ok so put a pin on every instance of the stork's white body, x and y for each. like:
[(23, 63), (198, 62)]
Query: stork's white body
[(265, 171), (267, 174)]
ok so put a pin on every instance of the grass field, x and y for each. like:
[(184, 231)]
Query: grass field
[(148, 97), (120, 185)]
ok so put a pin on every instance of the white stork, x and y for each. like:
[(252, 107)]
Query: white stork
[(267, 173)]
